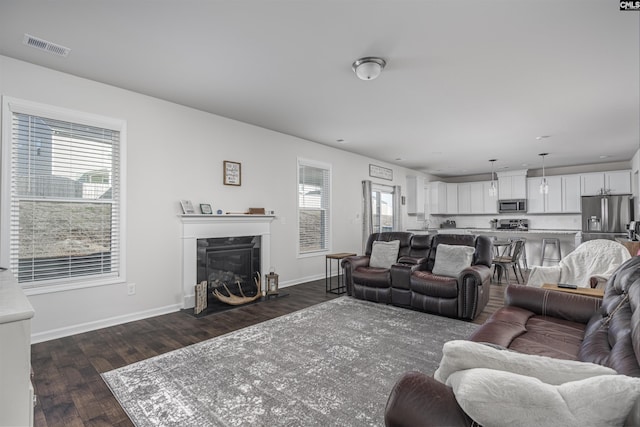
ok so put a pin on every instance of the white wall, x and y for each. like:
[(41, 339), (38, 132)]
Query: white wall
[(174, 153)]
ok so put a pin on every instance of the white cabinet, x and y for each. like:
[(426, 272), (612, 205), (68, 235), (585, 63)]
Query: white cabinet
[(512, 185), (571, 202), (490, 202), (452, 199), (591, 184), (437, 198), (477, 196), (474, 198), (415, 195), (563, 195), (614, 182), (464, 198), (16, 392), (618, 182)]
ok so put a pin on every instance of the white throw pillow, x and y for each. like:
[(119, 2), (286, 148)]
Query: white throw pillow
[(384, 254), (496, 398), (452, 259), (459, 355)]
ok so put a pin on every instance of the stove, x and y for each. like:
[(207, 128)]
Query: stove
[(513, 224)]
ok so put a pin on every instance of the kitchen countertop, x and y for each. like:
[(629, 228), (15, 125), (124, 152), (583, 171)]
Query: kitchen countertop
[(496, 231), (14, 305)]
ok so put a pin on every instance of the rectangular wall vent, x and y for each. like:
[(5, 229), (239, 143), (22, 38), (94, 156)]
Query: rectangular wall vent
[(41, 44)]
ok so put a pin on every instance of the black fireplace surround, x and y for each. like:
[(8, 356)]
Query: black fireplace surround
[(228, 260)]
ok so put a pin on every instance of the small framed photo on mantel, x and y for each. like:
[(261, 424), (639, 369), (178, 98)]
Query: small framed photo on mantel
[(232, 173), (206, 209), (187, 207)]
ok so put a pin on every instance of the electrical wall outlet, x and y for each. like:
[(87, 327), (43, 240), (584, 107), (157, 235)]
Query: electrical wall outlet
[(131, 289)]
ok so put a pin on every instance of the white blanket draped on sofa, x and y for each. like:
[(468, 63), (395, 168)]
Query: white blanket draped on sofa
[(592, 261)]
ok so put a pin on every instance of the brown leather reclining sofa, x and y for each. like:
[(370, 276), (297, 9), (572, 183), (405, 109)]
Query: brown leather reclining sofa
[(410, 283), (542, 322)]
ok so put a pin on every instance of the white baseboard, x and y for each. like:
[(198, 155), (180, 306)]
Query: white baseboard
[(103, 323)]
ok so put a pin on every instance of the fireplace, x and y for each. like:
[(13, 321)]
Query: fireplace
[(197, 227), (233, 262)]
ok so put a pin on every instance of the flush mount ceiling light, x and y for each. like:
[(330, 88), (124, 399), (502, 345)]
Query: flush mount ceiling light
[(368, 68)]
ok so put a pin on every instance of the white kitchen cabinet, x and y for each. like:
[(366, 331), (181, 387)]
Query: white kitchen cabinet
[(490, 202), (591, 184), (415, 195), (452, 199), (437, 198), (618, 182), (571, 202), (477, 197), (464, 198), (613, 182), (512, 185), (535, 201), (563, 195)]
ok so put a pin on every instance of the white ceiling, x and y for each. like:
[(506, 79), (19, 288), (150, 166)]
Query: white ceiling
[(466, 80)]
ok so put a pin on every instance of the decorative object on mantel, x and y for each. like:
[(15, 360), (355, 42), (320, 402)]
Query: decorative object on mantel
[(380, 172), (201, 297), (187, 207), (239, 300), (206, 209), (272, 283), (256, 211), (232, 173)]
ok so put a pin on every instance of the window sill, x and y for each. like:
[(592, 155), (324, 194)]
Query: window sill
[(52, 287)]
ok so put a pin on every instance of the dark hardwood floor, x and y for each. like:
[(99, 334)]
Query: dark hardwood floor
[(67, 371)]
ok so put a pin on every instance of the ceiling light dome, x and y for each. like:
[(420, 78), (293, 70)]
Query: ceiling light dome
[(368, 68)]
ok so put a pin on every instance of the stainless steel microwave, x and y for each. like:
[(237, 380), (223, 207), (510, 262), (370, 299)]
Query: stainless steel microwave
[(512, 206)]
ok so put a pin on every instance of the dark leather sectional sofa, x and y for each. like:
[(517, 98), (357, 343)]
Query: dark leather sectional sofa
[(542, 322), (410, 282)]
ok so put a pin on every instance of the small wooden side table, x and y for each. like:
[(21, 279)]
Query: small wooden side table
[(328, 273), (590, 292)]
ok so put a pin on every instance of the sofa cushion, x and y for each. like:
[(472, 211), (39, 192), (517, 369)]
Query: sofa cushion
[(458, 355), (426, 283), (384, 254), (497, 398), (452, 259), (373, 277)]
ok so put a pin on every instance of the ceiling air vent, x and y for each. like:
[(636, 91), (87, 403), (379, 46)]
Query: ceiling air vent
[(41, 44)]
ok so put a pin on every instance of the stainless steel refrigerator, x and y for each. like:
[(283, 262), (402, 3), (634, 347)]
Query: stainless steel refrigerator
[(606, 217)]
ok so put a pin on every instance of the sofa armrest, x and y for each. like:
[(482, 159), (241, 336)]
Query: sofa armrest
[(349, 264), (419, 400), (546, 302), (412, 260), (401, 274), (477, 274)]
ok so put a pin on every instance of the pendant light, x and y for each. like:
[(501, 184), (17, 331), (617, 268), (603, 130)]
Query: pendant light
[(493, 187), (544, 185)]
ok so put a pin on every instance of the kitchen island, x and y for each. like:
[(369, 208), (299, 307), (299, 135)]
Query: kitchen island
[(569, 239)]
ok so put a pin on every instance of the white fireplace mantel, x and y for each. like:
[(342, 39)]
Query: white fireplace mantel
[(196, 227)]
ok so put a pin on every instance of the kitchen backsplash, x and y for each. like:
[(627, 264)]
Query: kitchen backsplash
[(539, 222)]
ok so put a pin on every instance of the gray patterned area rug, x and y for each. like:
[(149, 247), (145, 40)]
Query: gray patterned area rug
[(332, 364)]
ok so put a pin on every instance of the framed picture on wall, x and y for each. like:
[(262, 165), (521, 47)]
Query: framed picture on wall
[(376, 171), (232, 173)]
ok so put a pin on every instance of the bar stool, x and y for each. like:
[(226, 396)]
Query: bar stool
[(523, 255), (555, 243)]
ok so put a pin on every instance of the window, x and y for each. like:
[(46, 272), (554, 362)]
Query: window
[(382, 209), (64, 194), (314, 183)]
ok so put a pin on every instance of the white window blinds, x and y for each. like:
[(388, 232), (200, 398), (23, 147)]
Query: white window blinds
[(65, 200), (313, 206)]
